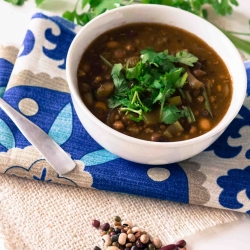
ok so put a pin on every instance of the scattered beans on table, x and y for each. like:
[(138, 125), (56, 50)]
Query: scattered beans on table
[(123, 235)]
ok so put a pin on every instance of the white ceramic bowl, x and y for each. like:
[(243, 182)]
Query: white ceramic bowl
[(145, 151)]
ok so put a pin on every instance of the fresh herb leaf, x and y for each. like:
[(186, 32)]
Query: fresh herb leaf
[(171, 114), (186, 58), (16, 2), (39, 2), (100, 6), (152, 84), (69, 15), (135, 72)]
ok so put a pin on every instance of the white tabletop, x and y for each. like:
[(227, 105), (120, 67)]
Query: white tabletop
[(13, 24)]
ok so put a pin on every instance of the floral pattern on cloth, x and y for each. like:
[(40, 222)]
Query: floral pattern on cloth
[(36, 86)]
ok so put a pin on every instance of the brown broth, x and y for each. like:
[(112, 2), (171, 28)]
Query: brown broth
[(121, 43)]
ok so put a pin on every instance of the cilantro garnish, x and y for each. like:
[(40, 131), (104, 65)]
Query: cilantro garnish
[(155, 78)]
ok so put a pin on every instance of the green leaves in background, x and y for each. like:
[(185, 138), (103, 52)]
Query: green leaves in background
[(86, 10), (15, 2)]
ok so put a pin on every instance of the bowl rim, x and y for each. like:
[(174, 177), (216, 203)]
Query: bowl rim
[(219, 128)]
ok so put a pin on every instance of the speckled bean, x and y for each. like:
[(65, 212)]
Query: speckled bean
[(131, 238), (106, 240)]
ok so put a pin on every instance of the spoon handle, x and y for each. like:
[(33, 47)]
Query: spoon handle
[(51, 151)]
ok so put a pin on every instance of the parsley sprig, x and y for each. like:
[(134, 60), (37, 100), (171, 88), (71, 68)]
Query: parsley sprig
[(150, 84)]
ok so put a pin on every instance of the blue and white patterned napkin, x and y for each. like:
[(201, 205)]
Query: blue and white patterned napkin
[(218, 177)]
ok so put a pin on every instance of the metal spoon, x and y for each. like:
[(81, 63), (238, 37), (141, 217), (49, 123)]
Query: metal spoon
[(59, 160)]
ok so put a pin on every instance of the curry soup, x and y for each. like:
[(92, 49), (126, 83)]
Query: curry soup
[(154, 82)]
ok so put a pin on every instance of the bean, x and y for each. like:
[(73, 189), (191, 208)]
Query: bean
[(193, 130), (81, 72), (97, 248), (86, 94), (127, 223), (113, 248), (106, 240), (205, 113), (119, 53), (117, 230), (134, 248), (200, 98), (158, 138), (128, 245), (157, 242), (133, 129), (114, 238), (151, 247), (132, 61), (105, 227), (96, 223), (144, 238), (113, 44), (170, 247), (117, 223), (136, 229), (204, 124), (86, 67), (131, 237), (111, 229), (118, 125), (115, 244), (98, 79), (105, 90), (199, 72), (129, 47), (181, 243), (122, 238), (117, 218)]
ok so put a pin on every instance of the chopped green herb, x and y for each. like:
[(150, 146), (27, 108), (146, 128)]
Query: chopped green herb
[(153, 81)]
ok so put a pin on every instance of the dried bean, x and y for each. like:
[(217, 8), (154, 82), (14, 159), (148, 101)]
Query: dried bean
[(115, 244), (126, 223), (96, 223), (139, 244), (134, 248), (114, 238), (144, 238), (170, 247), (157, 242), (106, 240), (111, 229), (181, 243), (117, 218), (122, 238), (117, 230), (151, 247), (105, 227), (113, 248), (97, 248), (131, 238)]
